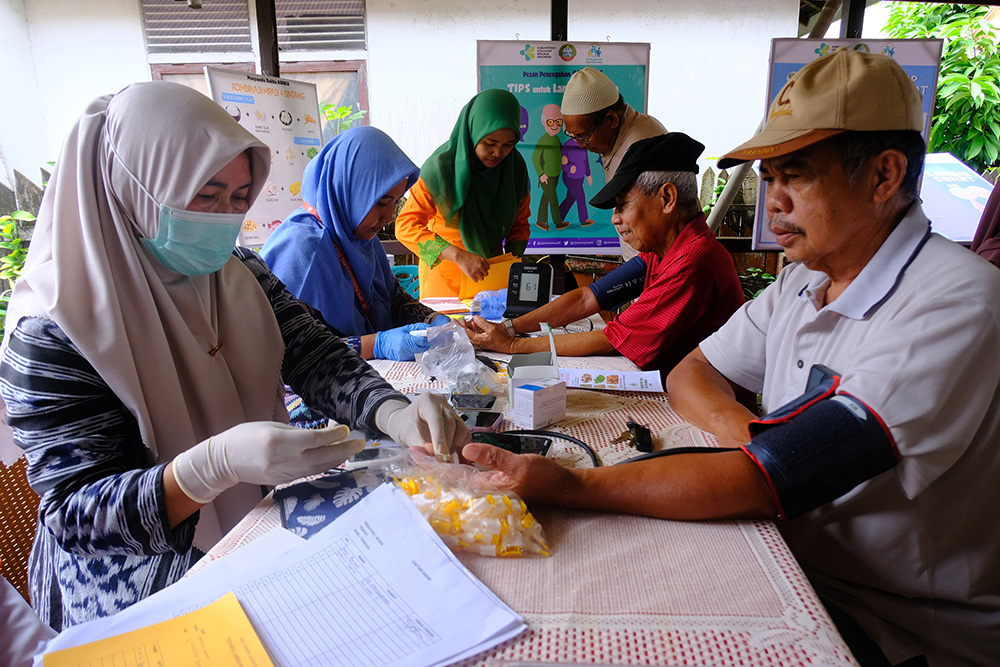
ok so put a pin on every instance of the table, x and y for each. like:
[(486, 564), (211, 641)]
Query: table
[(628, 590)]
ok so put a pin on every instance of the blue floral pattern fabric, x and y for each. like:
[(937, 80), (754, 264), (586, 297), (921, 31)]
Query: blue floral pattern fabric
[(307, 506)]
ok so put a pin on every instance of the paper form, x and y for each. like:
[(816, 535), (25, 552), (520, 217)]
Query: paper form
[(219, 635), (375, 587)]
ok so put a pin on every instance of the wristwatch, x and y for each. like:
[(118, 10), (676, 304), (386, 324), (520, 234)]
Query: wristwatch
[(508, 324)]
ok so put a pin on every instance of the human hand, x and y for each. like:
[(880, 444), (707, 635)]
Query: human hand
[(590, 180), (472, 265), (397, 344), (572, 169), (260, 453), (542, 178), (428, 422), (532, 477), (488, 335)]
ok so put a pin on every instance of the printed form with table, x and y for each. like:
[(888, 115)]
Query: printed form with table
[(374, 584)]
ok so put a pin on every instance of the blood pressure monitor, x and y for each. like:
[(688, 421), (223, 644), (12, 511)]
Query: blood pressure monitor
[(528, 287)]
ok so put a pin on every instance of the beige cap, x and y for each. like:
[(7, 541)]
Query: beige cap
[(587, 91), (846, 90)]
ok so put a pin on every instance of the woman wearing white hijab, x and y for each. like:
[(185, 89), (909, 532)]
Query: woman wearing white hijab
[(143, 360)]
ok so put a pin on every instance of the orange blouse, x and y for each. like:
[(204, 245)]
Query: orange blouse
[(422, 229)]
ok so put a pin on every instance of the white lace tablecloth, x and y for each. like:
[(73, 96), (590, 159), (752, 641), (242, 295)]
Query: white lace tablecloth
[(624, 590)]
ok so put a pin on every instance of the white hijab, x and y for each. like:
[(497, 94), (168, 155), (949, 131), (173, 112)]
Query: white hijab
[(147, 330)]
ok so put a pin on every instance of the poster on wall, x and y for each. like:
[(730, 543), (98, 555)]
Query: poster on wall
[(919, 58), (536, 73), (284, 114)]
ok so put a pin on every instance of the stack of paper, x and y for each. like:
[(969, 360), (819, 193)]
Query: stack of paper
[(375, 587)]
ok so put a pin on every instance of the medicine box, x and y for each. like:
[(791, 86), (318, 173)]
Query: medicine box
[(539, 403)]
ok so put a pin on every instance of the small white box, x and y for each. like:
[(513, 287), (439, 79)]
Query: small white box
[(539, 403), (530, 368)]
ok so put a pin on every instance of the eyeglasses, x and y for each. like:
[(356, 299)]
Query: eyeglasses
[(585, 141), (554, 122)]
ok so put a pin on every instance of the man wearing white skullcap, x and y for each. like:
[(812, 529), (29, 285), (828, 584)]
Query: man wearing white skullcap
[(598, 118)]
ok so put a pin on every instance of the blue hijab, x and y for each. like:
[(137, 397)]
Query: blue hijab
[(352, 172)]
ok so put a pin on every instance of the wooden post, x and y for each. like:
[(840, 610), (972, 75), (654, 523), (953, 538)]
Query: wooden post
[(560, 20), (267, 35)]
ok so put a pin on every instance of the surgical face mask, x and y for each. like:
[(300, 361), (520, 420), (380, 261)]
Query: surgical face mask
[(193, 242)]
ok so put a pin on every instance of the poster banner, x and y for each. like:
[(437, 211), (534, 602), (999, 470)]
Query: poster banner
[(536, 73), (953, 197), (919, 58), (284, 114)]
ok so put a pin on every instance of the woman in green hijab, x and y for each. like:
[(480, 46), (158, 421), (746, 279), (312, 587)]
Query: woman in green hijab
[(471, 201)]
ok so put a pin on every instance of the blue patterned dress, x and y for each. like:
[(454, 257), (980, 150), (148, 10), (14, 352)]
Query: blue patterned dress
[(103, 540)]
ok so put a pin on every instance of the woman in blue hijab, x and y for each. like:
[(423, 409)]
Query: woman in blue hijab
[(327, 253)]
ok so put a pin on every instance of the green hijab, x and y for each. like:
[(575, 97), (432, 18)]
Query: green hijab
[(481, 201)]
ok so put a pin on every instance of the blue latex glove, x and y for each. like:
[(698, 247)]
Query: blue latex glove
[(439, 320), (397, 344)]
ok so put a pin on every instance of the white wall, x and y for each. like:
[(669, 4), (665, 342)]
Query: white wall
[(422, 61), (78, 51), (19, 114)]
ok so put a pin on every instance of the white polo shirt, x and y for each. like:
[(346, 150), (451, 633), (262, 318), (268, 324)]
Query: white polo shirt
[(912, 554)]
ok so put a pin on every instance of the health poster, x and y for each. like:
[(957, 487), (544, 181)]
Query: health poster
[(536, 73), (284, 114), (918, 57)]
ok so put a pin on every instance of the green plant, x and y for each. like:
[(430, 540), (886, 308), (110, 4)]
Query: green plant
[(12, 263), (755, 281), (966, 120), (720, 185), (339, 119)]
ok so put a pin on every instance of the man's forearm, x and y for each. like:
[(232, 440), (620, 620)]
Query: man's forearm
[(702, 396), (567, 345), (720, 485), (570, 307)]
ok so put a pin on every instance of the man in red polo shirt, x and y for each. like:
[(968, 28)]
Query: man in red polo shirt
[(684, 282)]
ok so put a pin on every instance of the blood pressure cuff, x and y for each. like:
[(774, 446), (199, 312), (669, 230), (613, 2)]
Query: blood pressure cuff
[(621, 285), (818, 447)]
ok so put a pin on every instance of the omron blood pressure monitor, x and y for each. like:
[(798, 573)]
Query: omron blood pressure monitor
[(528, 287)]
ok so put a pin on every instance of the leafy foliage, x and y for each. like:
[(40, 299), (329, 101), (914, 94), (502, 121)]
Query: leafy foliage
[(720, 185), (339, 119), (754, 281), (966, 119), (12, 263)]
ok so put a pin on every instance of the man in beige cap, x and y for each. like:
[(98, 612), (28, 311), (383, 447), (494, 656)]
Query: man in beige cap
[(597, 117), (877, 356)]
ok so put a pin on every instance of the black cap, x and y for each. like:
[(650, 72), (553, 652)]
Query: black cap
[(673, 151)]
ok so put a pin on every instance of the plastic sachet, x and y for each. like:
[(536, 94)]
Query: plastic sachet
[(452, 360), (464, 509)]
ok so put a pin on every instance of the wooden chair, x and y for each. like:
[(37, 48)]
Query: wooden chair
[(18, 518)]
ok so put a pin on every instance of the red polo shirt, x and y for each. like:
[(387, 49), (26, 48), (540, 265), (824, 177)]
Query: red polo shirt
[(687, 295)]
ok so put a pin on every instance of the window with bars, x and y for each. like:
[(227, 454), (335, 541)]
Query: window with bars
[(220, 26), (320, 25), (223, 26)]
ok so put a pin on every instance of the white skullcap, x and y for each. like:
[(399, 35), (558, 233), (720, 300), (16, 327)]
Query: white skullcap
[(587, 91)]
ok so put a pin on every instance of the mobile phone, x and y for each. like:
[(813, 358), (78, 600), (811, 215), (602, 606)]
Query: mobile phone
[(473, 401), (519, 444), (480, 418)]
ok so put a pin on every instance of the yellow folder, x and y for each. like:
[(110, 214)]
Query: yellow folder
[(219, 635), (494, 280)]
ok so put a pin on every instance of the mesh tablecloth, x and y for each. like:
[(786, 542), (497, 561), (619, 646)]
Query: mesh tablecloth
[(632, 590)]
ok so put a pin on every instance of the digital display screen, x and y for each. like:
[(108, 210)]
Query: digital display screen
[(529, 287)]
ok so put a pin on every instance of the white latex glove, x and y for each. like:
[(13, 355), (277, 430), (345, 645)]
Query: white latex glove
[(260, 453), (429, 419)]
